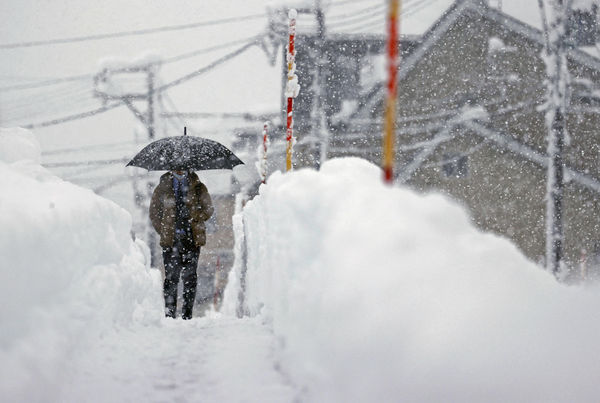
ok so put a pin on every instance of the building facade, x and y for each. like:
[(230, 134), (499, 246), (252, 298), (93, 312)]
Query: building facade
[(470, 124)]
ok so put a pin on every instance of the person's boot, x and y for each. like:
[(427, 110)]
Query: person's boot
[(170, 312), (170, 307)]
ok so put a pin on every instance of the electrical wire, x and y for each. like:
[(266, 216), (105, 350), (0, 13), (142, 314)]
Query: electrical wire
[(43, 98), (164, 96), (47, 103), (131, 33), (73, 176), (94, 147), (168, 98), (102, 188), (82, 77), (46, 82), (367, 23), (210, 49), (362, 11), (76, 116), (207, 67), (159, 89), (360, 15), (86, 163), (371, 22), (358, 19), (342, 2), (417, 7)]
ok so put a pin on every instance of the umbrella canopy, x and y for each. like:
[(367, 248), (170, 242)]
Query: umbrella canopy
[(184, 152)]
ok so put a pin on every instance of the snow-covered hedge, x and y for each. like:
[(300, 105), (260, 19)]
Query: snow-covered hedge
[(380, 294), (69, 267)]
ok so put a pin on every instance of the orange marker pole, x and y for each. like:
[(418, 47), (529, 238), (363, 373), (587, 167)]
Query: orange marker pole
[(390, 102)]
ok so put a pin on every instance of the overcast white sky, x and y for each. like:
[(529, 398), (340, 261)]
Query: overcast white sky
[(248, 83)]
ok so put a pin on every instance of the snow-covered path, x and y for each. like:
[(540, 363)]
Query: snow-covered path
[(209, 359)]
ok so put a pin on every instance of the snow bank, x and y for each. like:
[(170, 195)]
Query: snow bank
[(69, 267), (379, 294), (19, 144)]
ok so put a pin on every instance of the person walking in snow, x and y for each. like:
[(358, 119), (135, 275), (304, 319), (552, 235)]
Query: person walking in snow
[(179, 207)]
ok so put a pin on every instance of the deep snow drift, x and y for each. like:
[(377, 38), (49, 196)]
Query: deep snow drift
[(368, 293), (380, 294), (70, 270)]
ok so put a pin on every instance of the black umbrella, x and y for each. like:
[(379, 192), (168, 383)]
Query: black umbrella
[(184, 152)]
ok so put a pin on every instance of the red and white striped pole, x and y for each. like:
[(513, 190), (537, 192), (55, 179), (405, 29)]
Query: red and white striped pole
[(263, 158), (390, 103), (292, 88)]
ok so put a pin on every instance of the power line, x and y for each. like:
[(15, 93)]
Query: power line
[(379, 9), (13, 77), (47, 103), (165, 96), (365, 10), (106, 186), (130, 33), (46, 82), (418, 7), (372, 21), (223, 115), (44, 97), (73, 117), (369, 17), (208, 67), (159, 89), (208, 50), (358, 18), (73, 176), (88, 148), (409, 8), (169, 60), (85, 163), (339, 3)]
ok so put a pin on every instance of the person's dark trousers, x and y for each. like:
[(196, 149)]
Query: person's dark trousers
[(180, 261)]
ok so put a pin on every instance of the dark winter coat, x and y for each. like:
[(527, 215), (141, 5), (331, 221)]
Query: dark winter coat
[(162, 209)]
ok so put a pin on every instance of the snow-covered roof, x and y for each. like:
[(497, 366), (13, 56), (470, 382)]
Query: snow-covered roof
[(584, 56), (437, 30)]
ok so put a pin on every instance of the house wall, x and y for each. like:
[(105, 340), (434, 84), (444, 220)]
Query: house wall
[(504, 191)]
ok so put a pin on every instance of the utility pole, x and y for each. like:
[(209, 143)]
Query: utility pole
[(556, 104), (151, 234), (319, 130), (103, 88), (150, 123)]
